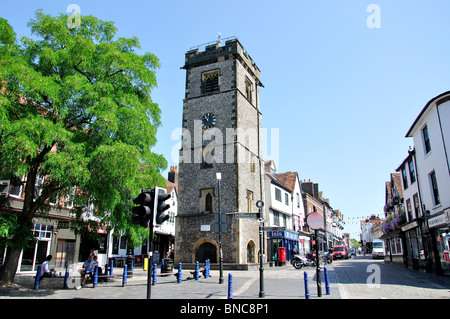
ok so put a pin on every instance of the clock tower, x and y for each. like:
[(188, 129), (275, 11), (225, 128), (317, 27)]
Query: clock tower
[(221, 134)]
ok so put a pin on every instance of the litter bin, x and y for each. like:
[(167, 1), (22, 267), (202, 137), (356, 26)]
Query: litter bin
[(281, 256), (168, 266), (130, 264)]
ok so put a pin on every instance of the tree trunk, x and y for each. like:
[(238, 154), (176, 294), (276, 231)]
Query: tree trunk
[(9, 268)]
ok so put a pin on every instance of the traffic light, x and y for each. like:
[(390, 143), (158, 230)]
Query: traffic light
[(160, 213), (143, 212)]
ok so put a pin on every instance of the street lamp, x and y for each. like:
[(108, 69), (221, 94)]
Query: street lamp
[(219, 177), (260, 205)]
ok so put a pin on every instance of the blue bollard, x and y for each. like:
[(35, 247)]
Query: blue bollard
[(230, 286), (124, 279), (307, 295), (207, 269), (95, 277), (196, 271), (327, 282), (38, 278), (179, 276), (162, 265), (154, 275), (111, 268), (66, 278)]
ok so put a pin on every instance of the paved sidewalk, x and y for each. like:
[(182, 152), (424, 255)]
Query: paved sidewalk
[(279, 283)]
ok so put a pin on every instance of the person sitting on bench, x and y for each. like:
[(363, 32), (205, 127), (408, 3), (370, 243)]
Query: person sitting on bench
[(88, 268)]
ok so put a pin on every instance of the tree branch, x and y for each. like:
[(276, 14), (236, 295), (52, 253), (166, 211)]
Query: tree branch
[(85, 74)]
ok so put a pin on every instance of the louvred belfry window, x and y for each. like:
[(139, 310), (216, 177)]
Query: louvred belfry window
[(210, 81)]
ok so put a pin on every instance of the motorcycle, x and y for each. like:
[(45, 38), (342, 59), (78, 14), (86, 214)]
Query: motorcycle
[(308, 260), (328, 257)]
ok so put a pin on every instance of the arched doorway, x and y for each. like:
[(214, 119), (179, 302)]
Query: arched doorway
[(251, 252), (206, 251)]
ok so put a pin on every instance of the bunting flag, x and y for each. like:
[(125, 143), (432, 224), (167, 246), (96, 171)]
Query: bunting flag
[(358, 219)]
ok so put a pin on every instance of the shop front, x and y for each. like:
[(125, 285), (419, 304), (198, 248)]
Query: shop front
[(415, 255), (439, 224), (52, 238), (282, 238)]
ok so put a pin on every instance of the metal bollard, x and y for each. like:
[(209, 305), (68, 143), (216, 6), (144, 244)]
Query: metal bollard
[(327, 282), (38, 278), (230, 286), (179, 275), (66, 278), (124, 279), (307, 295), (207, 268), (196, 271), (95, 277), (154, 275), (105, 279)]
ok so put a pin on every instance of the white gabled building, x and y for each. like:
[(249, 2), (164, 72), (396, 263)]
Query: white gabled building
[(431, 135)]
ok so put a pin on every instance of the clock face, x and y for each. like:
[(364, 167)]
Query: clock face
[(209, 120)]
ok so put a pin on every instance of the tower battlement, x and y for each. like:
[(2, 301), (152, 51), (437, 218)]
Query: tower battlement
[(217, 52)]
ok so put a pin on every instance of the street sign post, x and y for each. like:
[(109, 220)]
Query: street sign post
[(260, 205), (315, 221), (248, 215), (273, 228)]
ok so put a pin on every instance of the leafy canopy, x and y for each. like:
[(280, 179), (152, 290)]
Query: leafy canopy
[(75, 107)]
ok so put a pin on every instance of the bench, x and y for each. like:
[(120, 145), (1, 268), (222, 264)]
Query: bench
[(165, 274)]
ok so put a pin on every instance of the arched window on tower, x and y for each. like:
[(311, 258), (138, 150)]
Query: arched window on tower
[(208, 202)]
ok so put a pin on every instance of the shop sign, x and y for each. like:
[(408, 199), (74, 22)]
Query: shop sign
[(442, 219), (410, 226), (282, 234), (63, 225)]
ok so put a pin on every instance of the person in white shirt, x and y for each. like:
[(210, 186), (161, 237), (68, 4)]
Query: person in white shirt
[(45, 269)]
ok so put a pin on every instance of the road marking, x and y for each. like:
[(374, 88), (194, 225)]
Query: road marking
[(245, 287)]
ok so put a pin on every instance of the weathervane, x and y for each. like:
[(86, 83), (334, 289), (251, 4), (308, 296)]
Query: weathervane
[(219, 41)]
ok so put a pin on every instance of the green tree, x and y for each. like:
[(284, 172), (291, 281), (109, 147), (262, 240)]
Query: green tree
[(75, 107)]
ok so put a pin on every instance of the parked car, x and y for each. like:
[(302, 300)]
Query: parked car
[(340, 251), (378, 249)]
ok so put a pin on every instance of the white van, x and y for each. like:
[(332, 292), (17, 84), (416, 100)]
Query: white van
[(378, 248)]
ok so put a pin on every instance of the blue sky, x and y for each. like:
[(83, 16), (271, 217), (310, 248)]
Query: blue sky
[(342, 95)]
